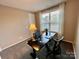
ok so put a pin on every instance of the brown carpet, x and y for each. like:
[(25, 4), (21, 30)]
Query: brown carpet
[(67, 52)]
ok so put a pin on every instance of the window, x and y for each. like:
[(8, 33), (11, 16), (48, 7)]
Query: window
[(52, 20), (45, 21)]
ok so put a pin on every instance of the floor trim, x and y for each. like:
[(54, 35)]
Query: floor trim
[(26, 39), (68, 41), (74, 51)]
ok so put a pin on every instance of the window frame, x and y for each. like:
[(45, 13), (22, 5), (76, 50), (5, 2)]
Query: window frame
[(61, 25)]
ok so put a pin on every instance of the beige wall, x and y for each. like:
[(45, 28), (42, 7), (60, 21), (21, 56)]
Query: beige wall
[(70, 20), (13, 26)]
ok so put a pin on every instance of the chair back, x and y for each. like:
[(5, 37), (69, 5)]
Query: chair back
[(37, 35), (50, 45)]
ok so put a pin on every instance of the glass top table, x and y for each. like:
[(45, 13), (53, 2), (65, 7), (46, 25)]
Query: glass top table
[(44, 39)]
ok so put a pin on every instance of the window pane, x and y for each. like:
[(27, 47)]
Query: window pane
[(45, 18), (54, 27), (54, 17), (44, 26), (54, 21), (44, 22)]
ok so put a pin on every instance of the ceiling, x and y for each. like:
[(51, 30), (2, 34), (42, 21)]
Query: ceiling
[(30, 5)]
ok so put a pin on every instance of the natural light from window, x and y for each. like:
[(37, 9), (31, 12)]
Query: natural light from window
[(51, 20)]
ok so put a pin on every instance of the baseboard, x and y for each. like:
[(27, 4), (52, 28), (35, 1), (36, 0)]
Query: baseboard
[(26, 39), (22, 41), (73, 47), (74, 51), (68, 41)]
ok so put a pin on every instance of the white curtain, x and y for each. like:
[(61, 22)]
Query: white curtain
[(61, 7)]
